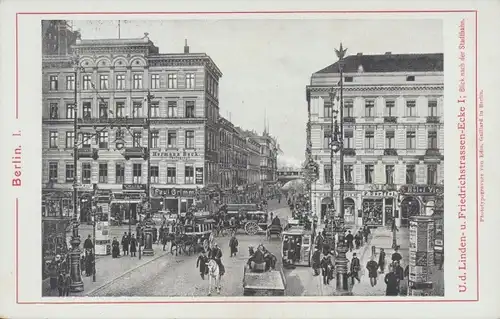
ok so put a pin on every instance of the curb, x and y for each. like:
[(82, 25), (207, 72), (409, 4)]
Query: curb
[(106, 284)]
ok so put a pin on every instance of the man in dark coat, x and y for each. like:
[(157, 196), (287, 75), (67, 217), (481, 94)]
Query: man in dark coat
[(326, 269), (357, 240), (115, 248), (372, 268), (316, 261), (133, 246), (60, 283), (88, 245), (233, 245), (381, 260), (89, 264), (400, 273), (366, 232), (392, 282), (349, 238), (355, 268), (53, 271), (201, 262), (396, 256), (125, 243), (319, 243), (257, 257), (67, 283)]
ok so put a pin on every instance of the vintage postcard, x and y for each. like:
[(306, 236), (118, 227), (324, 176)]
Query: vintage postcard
[(191, 159)]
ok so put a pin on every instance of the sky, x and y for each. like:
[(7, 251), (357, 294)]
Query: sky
[(266, 64)]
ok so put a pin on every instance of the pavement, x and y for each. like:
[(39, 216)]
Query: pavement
[(166, 275)]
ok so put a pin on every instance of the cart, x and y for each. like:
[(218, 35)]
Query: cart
[(296, 246), (269, 283)]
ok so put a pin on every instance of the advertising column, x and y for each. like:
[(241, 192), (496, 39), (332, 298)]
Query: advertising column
[(421, 230)]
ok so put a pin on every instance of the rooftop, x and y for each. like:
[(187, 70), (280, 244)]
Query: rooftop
[(388, 62)]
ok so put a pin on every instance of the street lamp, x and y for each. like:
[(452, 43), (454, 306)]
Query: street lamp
[(342, 287)]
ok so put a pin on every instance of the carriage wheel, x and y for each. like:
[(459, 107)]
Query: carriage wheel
[(205, 245), (252, 228)]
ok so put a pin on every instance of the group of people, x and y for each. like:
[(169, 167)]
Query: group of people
[(214, 253), (292, 247), (59, 275), (261, 259), (129, 244)]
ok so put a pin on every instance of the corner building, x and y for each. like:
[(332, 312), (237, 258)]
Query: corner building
[(113, 82), (393, 136)]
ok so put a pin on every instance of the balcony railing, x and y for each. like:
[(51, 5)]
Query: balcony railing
[(349, 119), (390, 152), (86, 152), (115, 121), (432, 119), (432, 152), (390, 119), (349, 186), (349, 152), (134, 152)]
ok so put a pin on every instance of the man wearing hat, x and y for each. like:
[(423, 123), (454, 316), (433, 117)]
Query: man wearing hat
[(216, 254), (316, 261), (202, 263), (355, 268)]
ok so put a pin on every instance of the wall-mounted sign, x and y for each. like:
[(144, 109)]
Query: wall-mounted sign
[(127, 196), (421, 189), (134, 187), (177, 155), (199, 175), (379, 194), (173, 192)]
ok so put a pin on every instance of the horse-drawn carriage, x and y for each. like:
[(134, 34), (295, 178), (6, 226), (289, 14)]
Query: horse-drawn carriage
[(192, 237)]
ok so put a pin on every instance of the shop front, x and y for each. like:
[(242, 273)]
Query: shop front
[(420, 200), (176, 200), (350, 205), (378, 208), (125, 204), (57, 203)]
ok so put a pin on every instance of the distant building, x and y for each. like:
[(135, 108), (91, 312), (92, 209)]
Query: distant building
[(58, 37), (393, 135)]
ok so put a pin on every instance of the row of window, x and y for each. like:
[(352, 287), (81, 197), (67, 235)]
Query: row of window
[(137, 139), (120, 82), (119, 110), (409, 78), (369, 139), (390, 108), (389, 174), (86, 173)]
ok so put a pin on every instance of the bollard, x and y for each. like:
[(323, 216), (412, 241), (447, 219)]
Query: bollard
[(373, 251)]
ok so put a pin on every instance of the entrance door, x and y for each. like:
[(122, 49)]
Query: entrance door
[(410, 206)]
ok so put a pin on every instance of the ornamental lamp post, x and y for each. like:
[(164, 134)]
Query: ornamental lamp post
[(342, 286)]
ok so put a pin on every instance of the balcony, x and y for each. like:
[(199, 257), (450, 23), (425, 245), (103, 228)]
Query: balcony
[(390, 152), (87, 152), (349, 186), (390, 119), (134, 152), (432, 152), (349, 119), (116, 121), (349, 152), (432, 119)]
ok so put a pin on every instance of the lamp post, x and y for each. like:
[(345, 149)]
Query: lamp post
[(342, 286), (94, 211), (75, 271)]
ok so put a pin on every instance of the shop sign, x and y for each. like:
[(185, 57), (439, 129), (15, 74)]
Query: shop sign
[(177, 155), (134, 187), (379, 194), (199, 175), (173, 192), (421, 189), (127, 196)]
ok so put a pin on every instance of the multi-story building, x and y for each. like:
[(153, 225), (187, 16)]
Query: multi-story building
[(57, 37), (113, 82), (253, 164), (268, 157), (240, 157), (226, 154), (393, 136)]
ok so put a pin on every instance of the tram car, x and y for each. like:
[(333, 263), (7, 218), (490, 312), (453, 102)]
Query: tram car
[(296, 246)]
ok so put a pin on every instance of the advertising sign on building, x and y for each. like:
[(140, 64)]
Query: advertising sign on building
[(173, 192), (177, 155), (133, 187), (199, 175)]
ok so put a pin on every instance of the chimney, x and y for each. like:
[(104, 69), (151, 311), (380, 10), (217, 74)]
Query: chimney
[(360, 54), (186, 47), (388, 53)]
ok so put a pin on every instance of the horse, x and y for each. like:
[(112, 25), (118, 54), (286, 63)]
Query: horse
[(213, 274)]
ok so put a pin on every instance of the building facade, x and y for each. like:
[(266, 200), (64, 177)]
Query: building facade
[(226, 154), (393, 136), (268, 158), (114, 78), (58, 37)]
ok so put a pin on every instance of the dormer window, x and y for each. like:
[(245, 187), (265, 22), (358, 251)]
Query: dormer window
[(410, 78)]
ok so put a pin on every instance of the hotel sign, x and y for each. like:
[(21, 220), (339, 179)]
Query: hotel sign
[(421, 189), (134, 187), (173, 192), (177, 155)]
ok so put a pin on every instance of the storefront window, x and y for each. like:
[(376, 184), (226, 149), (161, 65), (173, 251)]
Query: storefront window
[(349, 211), (372, 212)]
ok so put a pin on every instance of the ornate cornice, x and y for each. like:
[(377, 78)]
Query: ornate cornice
[(91, 50), (185, 61), (385, 88)]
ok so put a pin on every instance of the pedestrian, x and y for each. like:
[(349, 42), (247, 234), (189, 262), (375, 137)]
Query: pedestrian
[(396, 256), (133, 245), (349, 239), (88, 245), (326, 269), (381, 260), (201, 263), (67, 283), (401, 275), (233, 245), (357, 240), (164, 238), (216, 254), (355, 268), (115, 248), (392, 282), (366, 233), (82, 264), (89, 264), (372, 268), (360, 234), (319, 243), (316, 261), (155, 235), (125, 243), (53, 270), (60, 283)]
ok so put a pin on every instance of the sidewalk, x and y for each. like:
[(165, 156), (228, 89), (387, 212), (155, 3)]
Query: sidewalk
[(107, 270)]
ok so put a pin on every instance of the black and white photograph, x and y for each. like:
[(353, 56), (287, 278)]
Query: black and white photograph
[(199, 157)]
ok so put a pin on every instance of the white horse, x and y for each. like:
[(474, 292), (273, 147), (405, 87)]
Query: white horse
[(213, 274)]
